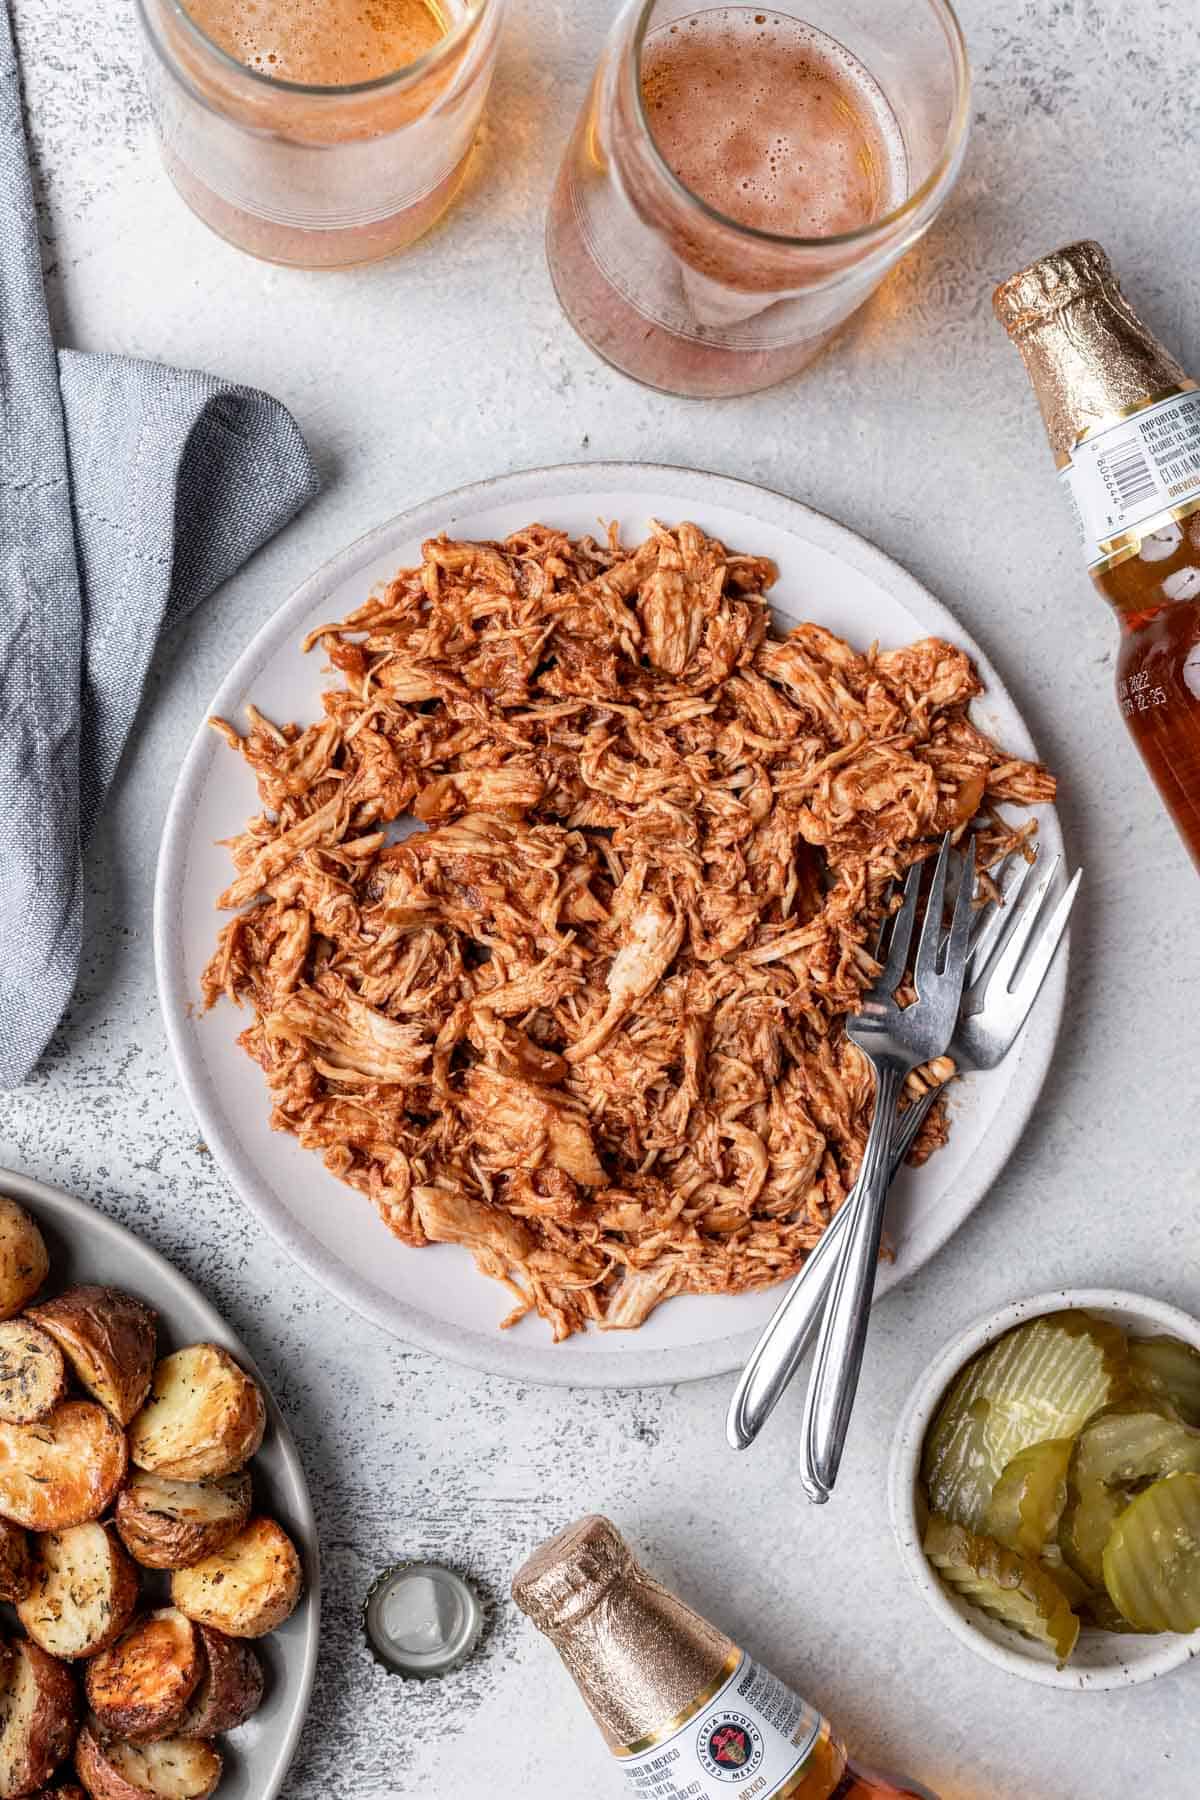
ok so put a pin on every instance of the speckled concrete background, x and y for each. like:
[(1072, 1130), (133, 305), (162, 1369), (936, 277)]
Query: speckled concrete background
[(918, 430)]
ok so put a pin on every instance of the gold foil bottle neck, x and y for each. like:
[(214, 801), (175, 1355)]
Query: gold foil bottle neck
[(1038, 292), (1090, 358), (565, 1577), (641, 1659)]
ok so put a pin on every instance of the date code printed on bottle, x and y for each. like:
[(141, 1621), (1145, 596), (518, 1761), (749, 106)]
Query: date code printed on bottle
[(754, 1737), (1126, 478), (1137, 693)]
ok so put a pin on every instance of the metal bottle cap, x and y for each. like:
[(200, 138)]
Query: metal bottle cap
[(422, 1620)]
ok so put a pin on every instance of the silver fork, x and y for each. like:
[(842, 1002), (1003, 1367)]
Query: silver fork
[(1009, 960), (895, 1040), (1002, 981)]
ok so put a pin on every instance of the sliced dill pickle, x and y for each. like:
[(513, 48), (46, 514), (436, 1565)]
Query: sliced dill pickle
[(1097, 1613), (1039, 1381), (1162, 1365), (1078, 1593), (1152, 1558), (1015, 1589), (959, 1474), (1114, 1453), (1028, 1499)]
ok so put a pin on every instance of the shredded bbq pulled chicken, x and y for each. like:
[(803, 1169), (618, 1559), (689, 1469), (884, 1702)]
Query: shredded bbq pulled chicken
[(588, 1022)]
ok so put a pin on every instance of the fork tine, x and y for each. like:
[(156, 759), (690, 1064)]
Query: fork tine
[(902, 926), (993, 922), (955, 965), (884, 922), (1019, 936), (929, 942), (1042, 955)]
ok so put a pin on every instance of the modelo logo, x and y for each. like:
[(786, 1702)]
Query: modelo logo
[(729, 1746)]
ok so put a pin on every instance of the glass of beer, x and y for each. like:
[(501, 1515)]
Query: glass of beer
[(741, 179), (320, 133)]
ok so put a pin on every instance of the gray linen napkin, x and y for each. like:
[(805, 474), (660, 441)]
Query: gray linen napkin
[(128, 492)]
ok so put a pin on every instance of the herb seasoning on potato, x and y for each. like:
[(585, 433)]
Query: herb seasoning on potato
[(246, 1589), (110, 1341), (167, 1524), (83, 1591), (24, 1259), (64, 1469), (181, 1768), (33, 1374), (204, 1416), (140, 1688)]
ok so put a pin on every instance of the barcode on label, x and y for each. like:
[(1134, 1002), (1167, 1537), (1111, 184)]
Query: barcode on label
[(1176, 470), (1130, 474)]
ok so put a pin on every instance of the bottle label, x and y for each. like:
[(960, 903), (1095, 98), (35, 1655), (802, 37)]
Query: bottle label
[(1132, 476), (752, 1735)]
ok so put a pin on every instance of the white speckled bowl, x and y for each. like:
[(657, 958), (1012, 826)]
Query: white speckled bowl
[(1101, 1659)]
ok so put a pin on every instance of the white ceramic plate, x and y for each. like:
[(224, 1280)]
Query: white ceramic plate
[(434, 1297), (86, 1246), (1101, 1659)]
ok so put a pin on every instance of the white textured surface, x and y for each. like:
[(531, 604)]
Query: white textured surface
[(916, 429)]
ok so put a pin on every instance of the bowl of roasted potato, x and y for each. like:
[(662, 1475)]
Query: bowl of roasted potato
[(157, 1543), (1045, 1488)]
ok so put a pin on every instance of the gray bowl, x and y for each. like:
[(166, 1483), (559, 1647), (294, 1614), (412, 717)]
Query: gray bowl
[(86, 1246)]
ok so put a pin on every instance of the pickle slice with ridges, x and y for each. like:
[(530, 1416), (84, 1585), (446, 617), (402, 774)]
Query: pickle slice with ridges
[(1163, 1365), (1028, 1499), (1097, 1613), (1079, 1595), (1015, 1589), (1041, 1380), (1152, 1558), (1114, 1453)]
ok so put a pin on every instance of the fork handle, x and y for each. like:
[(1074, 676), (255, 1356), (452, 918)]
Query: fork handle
[(834, 1381), (793, 1325), (782, 1347)]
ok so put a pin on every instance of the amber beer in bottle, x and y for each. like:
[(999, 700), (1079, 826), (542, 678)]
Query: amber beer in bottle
[(1124, 425), (685, 1712)]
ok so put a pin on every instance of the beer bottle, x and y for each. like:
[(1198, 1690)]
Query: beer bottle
[(687, 1714), (1124, 425)]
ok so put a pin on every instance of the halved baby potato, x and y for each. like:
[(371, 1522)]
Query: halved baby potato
[(24, 1260), (16, 1562), (39, 1710), (140, 1687), (231, 1687), (64, 1469), (83, 1593), (167, 1524), (245, 1589), (33, 1375), (173, 1769), (110, 1340), (204, 1417)]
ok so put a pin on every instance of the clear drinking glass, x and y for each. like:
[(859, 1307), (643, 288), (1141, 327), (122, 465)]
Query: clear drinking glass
[(318, 177), (676, 293)]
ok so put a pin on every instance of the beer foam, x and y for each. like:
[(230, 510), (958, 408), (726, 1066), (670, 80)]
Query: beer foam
[(772, 123), (328, 43)]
